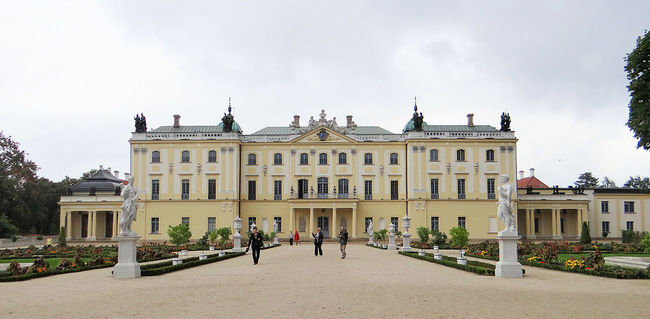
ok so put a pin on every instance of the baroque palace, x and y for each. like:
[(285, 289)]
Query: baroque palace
[(327, 175)]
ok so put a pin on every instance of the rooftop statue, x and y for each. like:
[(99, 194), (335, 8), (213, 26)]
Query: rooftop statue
[(228, 119), (417, 119), (505, 122), (140, 123)]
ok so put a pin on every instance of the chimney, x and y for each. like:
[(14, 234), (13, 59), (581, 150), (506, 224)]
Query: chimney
[(532, 172), (470, 119), (101, 167), (521, 174), (296, 120), (116, 174), (349, 122), (177, 121)]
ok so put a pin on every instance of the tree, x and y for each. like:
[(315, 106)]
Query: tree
[(637, 182), (224, 235), (585, 237), (638, 72), (607, 183), (586, 180), (459, 237), (179, 234), (7, 229), (423, 233)]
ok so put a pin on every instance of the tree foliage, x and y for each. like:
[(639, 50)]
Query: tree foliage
[(179, 234), (585, 236), (638, 73), (586, 180), (607, 183), (637, 182), (459, 237)]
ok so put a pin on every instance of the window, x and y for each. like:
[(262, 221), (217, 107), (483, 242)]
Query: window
[(367, 189), (303, 188), (393, 158), (322, 187), (251, 190), (434, 188), (155, 225), (394, 190), (628, 207), (433, 155), (155, 189), (461, 188), (605, 227), (278, 220), (435, 223), (490, 188), (212, 189), (367, 158), (277, 190), (212, 224), (185, 221), (460, 155), (604, 207), (368, 220), (461, 221), (277, 159), (343, 158), (489, 155), (562, 225), (155, 157), (629, 225), (185, 157), (322, 159), (536, 225), (251, 221), (395, 222), (185, 191), (304, 159), (212, 157), (252, 159), (343, 188)]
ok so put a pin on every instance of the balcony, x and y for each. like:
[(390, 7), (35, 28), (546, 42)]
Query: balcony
[(461, 196), (312, 196), (491, 196), (435, 196)]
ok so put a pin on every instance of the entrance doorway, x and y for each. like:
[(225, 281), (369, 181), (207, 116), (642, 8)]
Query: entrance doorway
[(324, 225)]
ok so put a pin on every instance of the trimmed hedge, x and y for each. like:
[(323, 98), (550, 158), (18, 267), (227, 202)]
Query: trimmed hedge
[(52, 272), (378, 247), (472, 266), (167, 266), (468, 254)]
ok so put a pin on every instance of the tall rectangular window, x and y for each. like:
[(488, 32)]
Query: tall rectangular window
[(212, 157), (435, 223), (490, 188), (251, 190), (395, 222), (185, 191), (536, 225), (368, 220), (461, 221), (212, 189), (434, 188), (277, 190), (562, 225), (251, 221), (277, 159), (343, 188), (367, 189), (394, 190), (604, 206), (629, 225), (212, 224), (605, 227), (343, 158), (628, 207), (461, 188), (433, 155), (155, 189), (155, 225), (304, 159), (278, 220), (185, 221), (185, 156)]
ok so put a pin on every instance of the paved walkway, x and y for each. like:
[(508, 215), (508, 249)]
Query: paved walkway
[(290, 282)]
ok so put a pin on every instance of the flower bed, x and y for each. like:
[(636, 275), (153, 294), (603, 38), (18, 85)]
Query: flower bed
[(472, 266), (40, 268)]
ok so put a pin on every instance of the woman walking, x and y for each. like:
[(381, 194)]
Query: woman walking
[(296, 237), (255, 242), (290, 238)]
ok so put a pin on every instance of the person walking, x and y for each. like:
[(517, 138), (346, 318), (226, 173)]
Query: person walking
[(343, 240), (291, 238), (296, 237), (318, 242), (255, 242)]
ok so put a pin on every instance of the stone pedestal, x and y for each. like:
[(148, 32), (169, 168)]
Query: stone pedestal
[(421, 252), (371, 240), (275, 240), (508, 265), (127, 265), (406, 236), (203, 257), (436, 253), (237, 237), (391, 237), (177, 261)]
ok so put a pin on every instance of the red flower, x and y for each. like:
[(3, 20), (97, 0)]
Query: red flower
[(541, 262)]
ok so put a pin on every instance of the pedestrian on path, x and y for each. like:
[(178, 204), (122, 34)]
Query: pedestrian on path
[(318, 242), (255, 242), (343, 240), (296, 237), (291, 238)]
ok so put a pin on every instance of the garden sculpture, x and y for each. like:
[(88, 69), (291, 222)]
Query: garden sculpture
[(504, 211), (129, 208)]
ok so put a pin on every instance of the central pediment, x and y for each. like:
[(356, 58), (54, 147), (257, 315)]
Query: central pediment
[(322, 135)]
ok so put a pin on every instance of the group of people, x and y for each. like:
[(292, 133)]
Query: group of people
[(255, 242)]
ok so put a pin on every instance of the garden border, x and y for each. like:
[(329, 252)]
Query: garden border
[(480, 270)]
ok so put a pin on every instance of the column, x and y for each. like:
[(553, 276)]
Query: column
[(579, 226), (555, 223), (531, 224), (335, 229), (311, 220), (68, 226), (91, 226), (292, 217), (115, 223), (354, 222)]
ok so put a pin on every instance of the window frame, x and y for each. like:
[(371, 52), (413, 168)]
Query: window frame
[(602, 226), (155, 189), (604, 207), (252, 159), (155, 221), (491, 195), (278, 219), (460, 155), (394, 159), (367, 189), (489, 155), (435, 225), (463, 194), (277, 189), (214, 224), (277, 159), (394, 190), (367, 159), (212, 156), (155, 157), (304, 156), (212, 188), (185, 189), (462, 221), (628, 207), (431, 157), (435, 191), (322, 159), (252, 185), (185, 157), (343, 156)]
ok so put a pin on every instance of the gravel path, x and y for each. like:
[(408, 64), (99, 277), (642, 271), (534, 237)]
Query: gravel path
[(290, 282)]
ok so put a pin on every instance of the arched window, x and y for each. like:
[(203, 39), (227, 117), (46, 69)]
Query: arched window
[(185, 157), (155, 157), (343, 158), (367, 158), (277, 159), (433, 155), (322, 159), (393, 158), (322, 187), (460, 155), (252, 159), (489, 155), (212, 157), (304, 159)]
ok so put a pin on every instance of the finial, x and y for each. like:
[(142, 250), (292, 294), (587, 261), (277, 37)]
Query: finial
[(415, 105), (229, 107)]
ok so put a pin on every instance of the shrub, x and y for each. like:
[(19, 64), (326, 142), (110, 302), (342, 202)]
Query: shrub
[(213, 236), (548, 252), (14, 238), (15, 269), (380, 235), (7, 229), (62, 235), (594, 260), (438, 238), (423, 233), (459, 237), (179, 234), (646, 243), (605, 233), (585, 237), (632, 237), (224, 235), (398, 233), (203, 241), (39, 265)]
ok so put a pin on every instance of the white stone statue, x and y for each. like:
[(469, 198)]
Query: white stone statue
[(504, 211), (370, 229), (275, 226), (129, 209)]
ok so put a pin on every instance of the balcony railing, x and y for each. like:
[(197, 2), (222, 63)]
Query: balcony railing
[(323, 196), (435, 196), (461, 195), (491, 196)]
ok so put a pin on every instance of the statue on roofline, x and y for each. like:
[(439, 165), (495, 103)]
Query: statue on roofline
[(505, 122), (140, 123), (228, 119)]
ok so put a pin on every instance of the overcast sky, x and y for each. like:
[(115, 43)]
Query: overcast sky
[(73, 74)]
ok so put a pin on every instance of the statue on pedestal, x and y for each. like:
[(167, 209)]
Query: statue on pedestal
[(370, 229), (505, 122), (504, 211), (275, 226), (129, 209), (228, 119), (140, 123)]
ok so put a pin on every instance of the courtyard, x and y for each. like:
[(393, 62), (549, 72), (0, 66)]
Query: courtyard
[(290, 282)]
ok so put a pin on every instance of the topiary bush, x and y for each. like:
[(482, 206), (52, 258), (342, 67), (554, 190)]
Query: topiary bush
[(585, 237), (62, 236), (459, 237)]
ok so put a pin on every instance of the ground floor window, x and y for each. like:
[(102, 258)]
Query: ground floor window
[(605, 227), (185, 220), (629, 225), (251, 221), (395, 221), (435, 223), (155, 225), (212, 224), (461, 221)]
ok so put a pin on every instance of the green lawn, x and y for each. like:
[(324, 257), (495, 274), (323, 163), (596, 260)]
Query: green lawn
[(563, 257), (54, 262)]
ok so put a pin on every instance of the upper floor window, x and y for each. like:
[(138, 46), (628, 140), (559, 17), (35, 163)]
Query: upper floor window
[(252, 159), (212, 157), (155, 157), (628, 207), (367, 158), (304, 159), (460, 155), (277, 159), (461, 188), (489, 155), (393, 158), (343, 158), (185, 157), (433, 155), (322, 159), (604, 206)]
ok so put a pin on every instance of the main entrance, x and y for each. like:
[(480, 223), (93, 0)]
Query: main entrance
[(324, 225)]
